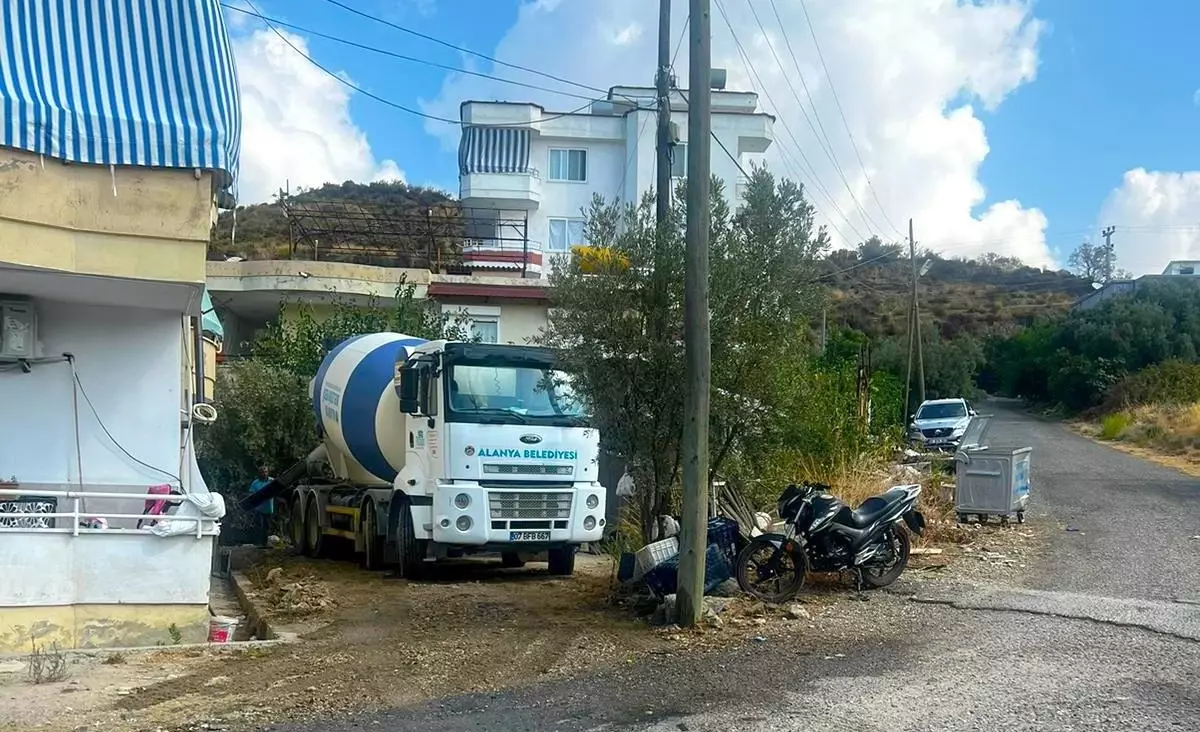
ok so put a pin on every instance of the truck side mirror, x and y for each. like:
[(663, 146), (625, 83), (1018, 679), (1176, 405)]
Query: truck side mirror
[(410, 382)]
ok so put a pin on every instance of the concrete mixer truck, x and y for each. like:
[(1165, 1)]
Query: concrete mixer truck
[(433, 449)]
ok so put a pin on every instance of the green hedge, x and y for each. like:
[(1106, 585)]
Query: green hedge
[(1170, 382)]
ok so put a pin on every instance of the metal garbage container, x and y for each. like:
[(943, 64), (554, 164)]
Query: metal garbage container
[(990, 480)]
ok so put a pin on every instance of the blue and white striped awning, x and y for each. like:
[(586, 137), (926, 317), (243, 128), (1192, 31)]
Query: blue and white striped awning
[(120, 82), (494, 150)]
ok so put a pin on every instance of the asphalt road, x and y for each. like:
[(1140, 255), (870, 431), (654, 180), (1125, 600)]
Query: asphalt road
[(1095, 638)]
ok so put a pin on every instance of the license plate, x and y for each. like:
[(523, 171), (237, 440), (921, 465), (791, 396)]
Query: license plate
[(529, 536), (935, 440)]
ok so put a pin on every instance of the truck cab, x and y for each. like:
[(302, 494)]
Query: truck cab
[(500, 455)]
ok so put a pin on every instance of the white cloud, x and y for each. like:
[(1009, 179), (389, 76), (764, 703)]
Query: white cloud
[(1157, 219), (296, 125), (908, 75)]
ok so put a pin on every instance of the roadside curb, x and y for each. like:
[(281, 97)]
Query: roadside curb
[(243, 587)]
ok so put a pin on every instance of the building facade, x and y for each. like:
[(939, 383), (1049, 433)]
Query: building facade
[(1178, 270), (518, 161), (113, 158), (250, 294)]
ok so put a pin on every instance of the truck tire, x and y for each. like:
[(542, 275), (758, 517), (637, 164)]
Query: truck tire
[(372, 556), (562, 560), (408, 549), (296, 527), (315, 538)]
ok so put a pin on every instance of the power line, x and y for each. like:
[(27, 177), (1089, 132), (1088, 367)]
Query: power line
[(461, 49), (400, 56), (838, 102), (826, 148), (814, 180), (395, 105)]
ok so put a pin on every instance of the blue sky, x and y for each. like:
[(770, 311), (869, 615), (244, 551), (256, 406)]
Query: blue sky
[(1069, 97)]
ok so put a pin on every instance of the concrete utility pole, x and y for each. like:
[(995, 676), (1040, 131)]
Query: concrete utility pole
[(916, 316), (908, 371), (1110, 256), (662, 83), (697, 338)]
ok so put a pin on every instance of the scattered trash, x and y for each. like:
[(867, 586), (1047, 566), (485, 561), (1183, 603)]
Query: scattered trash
[(924, 551)]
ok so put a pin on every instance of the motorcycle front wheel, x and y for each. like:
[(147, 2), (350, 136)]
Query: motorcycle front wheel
[(769, 572)]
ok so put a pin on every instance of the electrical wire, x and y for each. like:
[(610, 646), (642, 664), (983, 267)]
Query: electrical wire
[(395, 105), (813, 128), (87, 400), (814, 181), (642, 128), (841, 112), (399, 56), (461, 49)]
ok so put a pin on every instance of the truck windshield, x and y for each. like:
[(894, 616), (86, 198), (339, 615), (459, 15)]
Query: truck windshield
[(942, 411), (516, 394)]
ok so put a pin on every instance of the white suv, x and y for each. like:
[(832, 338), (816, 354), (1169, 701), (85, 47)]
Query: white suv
[(940, 423)]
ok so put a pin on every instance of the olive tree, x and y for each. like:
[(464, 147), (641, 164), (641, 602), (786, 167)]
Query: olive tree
[(618, 321)]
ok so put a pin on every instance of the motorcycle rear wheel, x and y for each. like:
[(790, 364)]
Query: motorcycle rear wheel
[(785, 571), (876, 576)]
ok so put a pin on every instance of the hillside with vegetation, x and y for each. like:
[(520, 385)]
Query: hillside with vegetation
[(871, 292), (262, 229)]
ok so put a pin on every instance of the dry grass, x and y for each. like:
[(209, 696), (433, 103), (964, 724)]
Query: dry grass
[(855, 478), (1173, 429), (1167, 434)]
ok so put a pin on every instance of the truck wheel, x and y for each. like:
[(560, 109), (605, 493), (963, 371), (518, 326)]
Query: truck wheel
[(296, 524), (562, 560), (372, 558), (315, 539), (408, 564), (511, 560)]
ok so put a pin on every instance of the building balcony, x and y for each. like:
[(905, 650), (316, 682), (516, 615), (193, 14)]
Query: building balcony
[(503, 257), (520, 191)]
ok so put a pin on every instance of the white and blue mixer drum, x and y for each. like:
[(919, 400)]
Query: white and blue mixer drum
[(357, 408)]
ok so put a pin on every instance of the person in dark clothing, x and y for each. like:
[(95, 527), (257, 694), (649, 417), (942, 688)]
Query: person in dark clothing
[(263, 512)]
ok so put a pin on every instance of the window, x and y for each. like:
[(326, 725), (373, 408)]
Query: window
[(569, 165), (679, 160), (943, 410), (485, 331), (564, 234), (482, 323)]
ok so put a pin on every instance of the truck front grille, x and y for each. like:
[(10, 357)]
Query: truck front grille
[(515, 469), (529, 505), (938, 432)]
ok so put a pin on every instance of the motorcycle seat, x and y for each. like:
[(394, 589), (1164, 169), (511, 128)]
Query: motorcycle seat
[(872, 508)]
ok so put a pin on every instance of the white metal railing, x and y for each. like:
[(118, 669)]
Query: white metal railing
[(77, 515)]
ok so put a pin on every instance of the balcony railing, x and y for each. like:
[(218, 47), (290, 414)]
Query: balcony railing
[(86, 521), (503, 255)]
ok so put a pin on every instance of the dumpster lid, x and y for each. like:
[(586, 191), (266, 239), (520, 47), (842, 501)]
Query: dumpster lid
[(975, 432)]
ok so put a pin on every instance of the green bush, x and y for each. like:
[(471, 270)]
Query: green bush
[(1170, 382), (1114, 425)]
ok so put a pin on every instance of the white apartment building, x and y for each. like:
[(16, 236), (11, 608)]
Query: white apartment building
[(534, 171)]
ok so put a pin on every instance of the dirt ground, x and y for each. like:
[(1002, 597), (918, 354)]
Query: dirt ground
[(368, 642)]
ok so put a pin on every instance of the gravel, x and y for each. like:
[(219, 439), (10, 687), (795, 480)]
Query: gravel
[(1001, 661)]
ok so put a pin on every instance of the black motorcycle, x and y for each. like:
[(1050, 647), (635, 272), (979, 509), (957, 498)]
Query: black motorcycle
[(826, 535)]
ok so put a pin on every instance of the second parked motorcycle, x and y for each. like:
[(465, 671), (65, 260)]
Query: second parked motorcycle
[(825, 535)]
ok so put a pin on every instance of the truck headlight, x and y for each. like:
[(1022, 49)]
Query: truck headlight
[(463, 523), (461, 501), (589, 523), (592, 501)]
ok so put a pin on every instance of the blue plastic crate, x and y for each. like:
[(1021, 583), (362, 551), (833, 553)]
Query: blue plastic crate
[(664, 579)]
